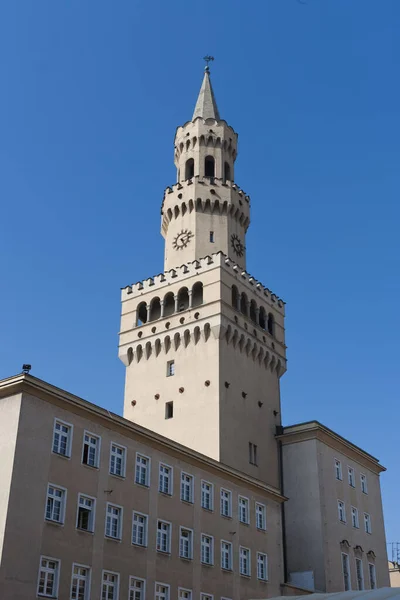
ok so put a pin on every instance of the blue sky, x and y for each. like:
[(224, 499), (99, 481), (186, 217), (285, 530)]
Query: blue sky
[(91, 95)]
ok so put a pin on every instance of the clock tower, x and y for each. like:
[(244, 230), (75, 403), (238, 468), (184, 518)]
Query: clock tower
[(203, 342)]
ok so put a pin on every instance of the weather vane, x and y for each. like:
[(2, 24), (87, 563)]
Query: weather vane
[(208, 59)]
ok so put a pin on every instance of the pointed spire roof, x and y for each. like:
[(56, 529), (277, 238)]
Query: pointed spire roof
[(206, 105)]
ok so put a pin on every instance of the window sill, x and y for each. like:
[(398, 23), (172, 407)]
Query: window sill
[(245, 523), (203, 564), (186, 558), (139, 545), (210, 510), (262, 580), (262, 529), (142, 485), (58, 524), (112, 539), (166, 494), (84, 530), (190, 502), (164, 552), (226, 570), (67, 457), (122, 477), (46, 596), (227, 516), (93, 467), (245, 575)]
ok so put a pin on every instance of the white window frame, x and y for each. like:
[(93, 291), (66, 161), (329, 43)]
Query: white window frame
[(263, 513), (122, 457), (169, 536), (209, 493), (148, 469), (229, 515), (347, 559), (187, 594), (69, 438), (170, 368), (338, 470), (262, 562), (187, 485), (229, 551), (359, 563), (243, 549), (63, 504), (120, 521), (372, 579), (351, 477), (342, 505), (204, 596), (354, 517), (190, 543), (98, 447), (145, 526), (209, 545), (364, 484), (87, 580), (367, 523), (157, 595), (169, 478), (92, 511), (132, 588), (244, 502), (106, 572), (56, 576)]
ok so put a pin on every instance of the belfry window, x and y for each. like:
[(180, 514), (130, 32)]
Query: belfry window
[(271, 324), (209, 166), (227, 172), (189, 168)]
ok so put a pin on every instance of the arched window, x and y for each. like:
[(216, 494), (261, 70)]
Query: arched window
[(155, 309), (169, 304), (253, 311), (197, 294), (271, 324), (262, 318), (189, 168), (209, 166), (183, 299), (244, 304), (227, 172), (141, 314), (235, 297)]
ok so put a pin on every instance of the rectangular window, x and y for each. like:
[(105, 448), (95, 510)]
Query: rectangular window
[(186, 543), (163, 536), (165, 479), (161, 591), (244, 561), (354, 517), (206, 597), (86, 513), (360, 574), (169, 410), (139, 529), (62, 438), (48, 577), (170, 368), (363, 479), (367, 523), (187, 482), (226, 503), (114, 521), (226, 555), (262, 566), (207, 549), (212, 237), (207, 495), (253, 454), (244, 516), (55, 503), (261, 516), (346, 572), (136, 588), (352, 480), (91, 450), (80, 582), (142, 472), (372, 576), (184, 594), (341, 511), (338, 470), (117, 460), (109, 588)]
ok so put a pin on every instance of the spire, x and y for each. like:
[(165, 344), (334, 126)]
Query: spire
[(206, 105)]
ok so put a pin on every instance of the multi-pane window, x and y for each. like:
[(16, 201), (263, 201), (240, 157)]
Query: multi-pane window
[(165, 479), (354, 517), (48, 577), (244, 561), (170, 368), (186, 543), (187, 487), (109, 587), (346, 572), (117, 460), (226, 555), (360, 574), (352, 480), (367, 523), (226, 503), (338, 469), (80, 582), (372, 576), (261, 516), (253, 454), (86, 513), (114, 521), (244, 516), (363, 480), (62, 437), (139, 529), (341, 511), (55, 503), (136, 588), (207, 495), (142, 471), (184, 594), (91, 450), (207, 549), (262, 566), (161, 591), (163, 536)]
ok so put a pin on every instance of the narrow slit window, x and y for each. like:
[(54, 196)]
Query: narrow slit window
[(169, 410), (211, 237)]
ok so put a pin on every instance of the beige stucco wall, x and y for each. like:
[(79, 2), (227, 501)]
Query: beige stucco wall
[(394, 574)]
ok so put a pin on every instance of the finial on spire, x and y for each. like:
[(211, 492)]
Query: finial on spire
[(208, 59)]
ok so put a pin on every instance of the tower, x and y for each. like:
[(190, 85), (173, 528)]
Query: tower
[(203, 342)]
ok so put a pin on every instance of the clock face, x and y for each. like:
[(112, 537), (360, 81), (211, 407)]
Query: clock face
[(182, 239), (237, 245)]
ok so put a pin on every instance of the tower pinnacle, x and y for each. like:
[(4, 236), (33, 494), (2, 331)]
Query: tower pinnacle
[(206, 105)]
